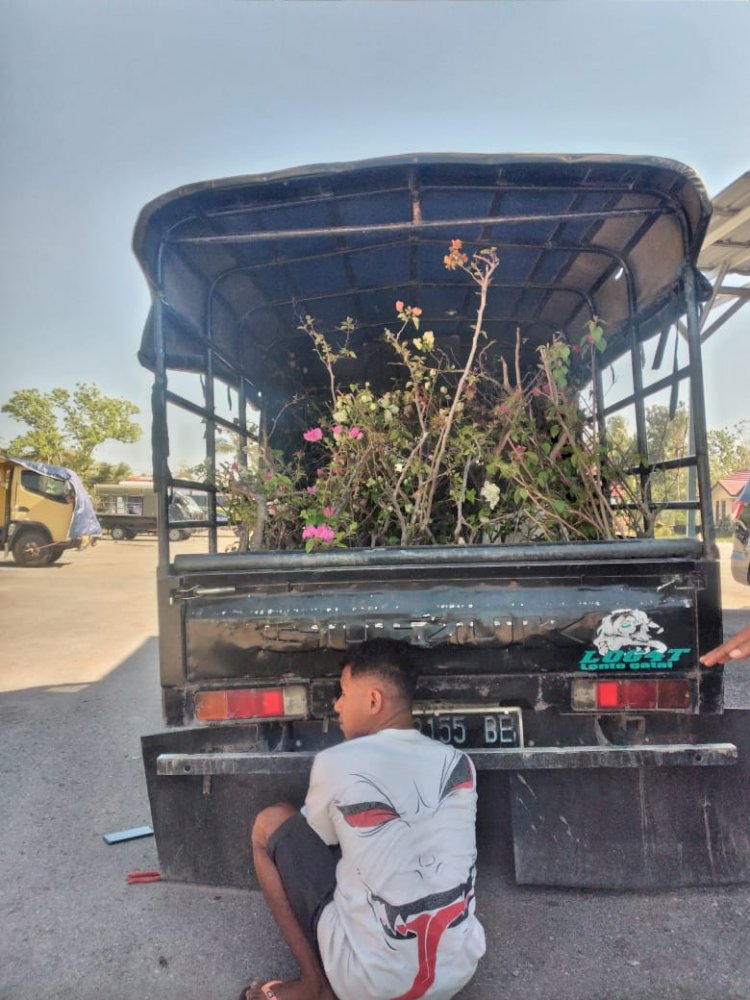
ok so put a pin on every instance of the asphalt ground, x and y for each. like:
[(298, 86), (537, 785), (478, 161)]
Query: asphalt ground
[(79, 686)]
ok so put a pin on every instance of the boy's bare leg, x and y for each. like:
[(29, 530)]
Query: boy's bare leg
[(312, 984)]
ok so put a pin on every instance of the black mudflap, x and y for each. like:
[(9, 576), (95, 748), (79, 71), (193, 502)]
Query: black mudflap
[(616, 828), (202, 825), (645, 828)]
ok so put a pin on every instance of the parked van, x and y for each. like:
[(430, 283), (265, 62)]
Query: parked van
[(128, 509)]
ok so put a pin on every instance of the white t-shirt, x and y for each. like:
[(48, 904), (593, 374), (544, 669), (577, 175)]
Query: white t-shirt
[(401, 924)]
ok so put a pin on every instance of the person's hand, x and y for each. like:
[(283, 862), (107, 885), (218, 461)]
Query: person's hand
[(736, 648)]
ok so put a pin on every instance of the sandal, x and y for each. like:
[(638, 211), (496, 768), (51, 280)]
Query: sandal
[(267, 989)]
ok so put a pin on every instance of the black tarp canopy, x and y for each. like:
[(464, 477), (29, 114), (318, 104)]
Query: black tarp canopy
[(235, 263)]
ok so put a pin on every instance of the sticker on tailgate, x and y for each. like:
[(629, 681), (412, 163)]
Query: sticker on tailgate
[(625, 640)]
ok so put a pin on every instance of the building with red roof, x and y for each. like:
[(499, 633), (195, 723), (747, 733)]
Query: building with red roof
[(725, 492)]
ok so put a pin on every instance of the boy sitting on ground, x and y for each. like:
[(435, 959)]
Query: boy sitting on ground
[(372, 883)]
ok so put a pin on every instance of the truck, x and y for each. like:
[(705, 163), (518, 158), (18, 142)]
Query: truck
[(128, 509), (567, 667), (44, 511)]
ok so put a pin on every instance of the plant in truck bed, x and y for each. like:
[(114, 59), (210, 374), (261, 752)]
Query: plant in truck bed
[(454, 451)]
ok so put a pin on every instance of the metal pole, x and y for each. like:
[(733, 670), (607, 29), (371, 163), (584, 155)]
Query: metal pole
[(210, 405), (692, 477), (698, 408), (242, 423), (641, 431), (264, 235), (160, 429)]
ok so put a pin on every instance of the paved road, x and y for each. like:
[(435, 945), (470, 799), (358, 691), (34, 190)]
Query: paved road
[(78, 686)]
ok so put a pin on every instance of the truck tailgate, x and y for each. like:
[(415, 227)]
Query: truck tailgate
[(512, 624)]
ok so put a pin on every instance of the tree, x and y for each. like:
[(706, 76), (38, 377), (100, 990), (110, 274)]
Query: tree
[(44, 441), (728, 450), (621, 441), (66, 428), (106, 472), (667, 438)]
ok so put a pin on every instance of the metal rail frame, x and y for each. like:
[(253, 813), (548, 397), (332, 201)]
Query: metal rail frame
[(695, 462)]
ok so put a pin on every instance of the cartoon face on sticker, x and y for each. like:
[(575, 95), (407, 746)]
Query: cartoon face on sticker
[(628, 629)]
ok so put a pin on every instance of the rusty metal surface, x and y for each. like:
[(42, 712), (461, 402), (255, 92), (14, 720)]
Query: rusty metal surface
[(548, 758), (619, 817), (491, 623), (642, 829)]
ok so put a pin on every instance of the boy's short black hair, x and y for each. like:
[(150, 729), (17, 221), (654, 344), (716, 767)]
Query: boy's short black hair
[(387, 658)]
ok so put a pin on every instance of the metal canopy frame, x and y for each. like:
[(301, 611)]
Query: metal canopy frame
[(233, 265), (235, 262), (725, 253)]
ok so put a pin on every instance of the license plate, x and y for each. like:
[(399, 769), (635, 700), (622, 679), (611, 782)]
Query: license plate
[(473, 728)]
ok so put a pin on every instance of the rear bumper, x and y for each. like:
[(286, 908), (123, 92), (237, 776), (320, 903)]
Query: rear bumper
[(621, 817), (540, 758)]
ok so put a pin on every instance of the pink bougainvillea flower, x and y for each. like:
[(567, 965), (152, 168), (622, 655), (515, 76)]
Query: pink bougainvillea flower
[(321, 531), (312, 489), (416, 311), (328, 511), (314, 434), (267, 475), (355, 432), (399, 306), (336, 430)]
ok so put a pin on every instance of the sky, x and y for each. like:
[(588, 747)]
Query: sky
[(105, 104)]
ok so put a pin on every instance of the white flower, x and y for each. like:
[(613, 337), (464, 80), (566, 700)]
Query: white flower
[(491, 493)]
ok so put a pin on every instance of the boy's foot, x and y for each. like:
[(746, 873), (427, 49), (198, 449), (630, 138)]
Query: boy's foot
[(297, 989)]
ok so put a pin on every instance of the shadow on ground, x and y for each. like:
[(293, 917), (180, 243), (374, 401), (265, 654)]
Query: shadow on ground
[(74, 930)]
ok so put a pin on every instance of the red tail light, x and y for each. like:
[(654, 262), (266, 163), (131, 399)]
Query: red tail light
[(737, 509), (644, 695), (251, 703)]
